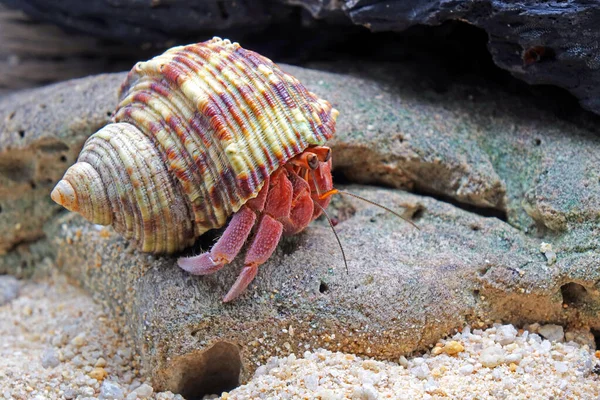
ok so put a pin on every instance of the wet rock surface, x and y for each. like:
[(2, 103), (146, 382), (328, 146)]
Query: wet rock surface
[(502, 187)]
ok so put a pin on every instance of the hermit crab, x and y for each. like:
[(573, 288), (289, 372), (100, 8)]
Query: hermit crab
[(202, 133)]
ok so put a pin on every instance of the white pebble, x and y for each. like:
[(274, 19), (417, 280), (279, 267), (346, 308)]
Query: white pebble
[(365, 392), (491, 357), (131, 396), (50, 358), (327, 394), (560, 367), (311, 382), (420, 371), (144, 391), (430, 386), (545, 347), (110, 390), (466, 369), (506, 334), (88, 391), (513, 358)]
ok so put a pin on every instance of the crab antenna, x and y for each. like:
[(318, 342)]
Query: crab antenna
[(335, 233), (337, 191)]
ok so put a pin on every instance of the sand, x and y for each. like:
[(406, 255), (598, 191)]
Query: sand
[(58, 344), (498, 363)]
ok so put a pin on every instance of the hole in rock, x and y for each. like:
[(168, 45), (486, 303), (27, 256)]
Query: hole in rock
[(418, 213), (574, 294), (475, 227), (63, 158), (0, 208), (22, 133), (537, 142), (596, 334), (323, 287), (339, 177), (211, 372)]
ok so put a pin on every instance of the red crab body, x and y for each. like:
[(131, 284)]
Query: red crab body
[(284, 206)]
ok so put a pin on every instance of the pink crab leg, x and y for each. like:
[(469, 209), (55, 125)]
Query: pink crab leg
[(227, 247), (264, 244)]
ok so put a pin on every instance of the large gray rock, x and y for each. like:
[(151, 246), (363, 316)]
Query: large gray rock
[(405, 288)]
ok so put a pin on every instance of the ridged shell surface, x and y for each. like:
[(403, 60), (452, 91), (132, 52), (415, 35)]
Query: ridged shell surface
[(197, 130)]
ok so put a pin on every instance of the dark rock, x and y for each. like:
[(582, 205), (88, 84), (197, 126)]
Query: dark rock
[(538, 41), (550, 43)]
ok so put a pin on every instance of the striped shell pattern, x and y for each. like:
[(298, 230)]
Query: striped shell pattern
[(196, 132)]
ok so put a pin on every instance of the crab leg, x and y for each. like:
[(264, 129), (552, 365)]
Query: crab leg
[(264, 244), (227, 247)]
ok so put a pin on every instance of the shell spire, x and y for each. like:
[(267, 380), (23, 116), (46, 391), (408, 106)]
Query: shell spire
[(197, 131)]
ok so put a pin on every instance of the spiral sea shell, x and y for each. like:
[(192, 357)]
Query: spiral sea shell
[(197, 131)]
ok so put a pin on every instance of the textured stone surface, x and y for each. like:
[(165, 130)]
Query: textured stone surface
[(41, 133), (473, 145), (405, 288)]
